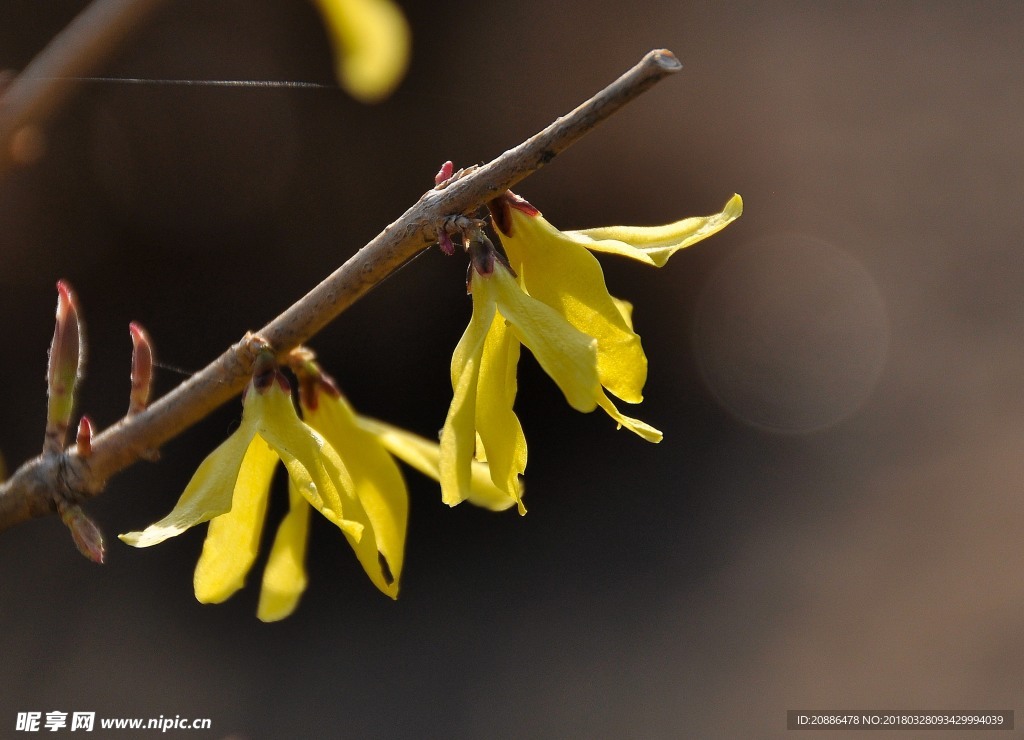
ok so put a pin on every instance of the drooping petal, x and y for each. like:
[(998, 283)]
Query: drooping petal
[(378, 486), (233, 538), (458, 437), (209, 492), (567, 355), (284, 578), (313, 465), (634, 425), (370, 39), (425, 456), (655, 244), (500, 433), (559, 272)]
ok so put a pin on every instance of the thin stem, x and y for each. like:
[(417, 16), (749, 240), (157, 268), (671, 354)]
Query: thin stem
[(32, 489)]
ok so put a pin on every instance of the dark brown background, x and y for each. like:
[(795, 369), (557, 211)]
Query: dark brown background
[(834, 517)]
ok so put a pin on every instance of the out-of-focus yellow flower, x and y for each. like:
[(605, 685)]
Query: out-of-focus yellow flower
[(231, 487), (556, 268), (371, 43)]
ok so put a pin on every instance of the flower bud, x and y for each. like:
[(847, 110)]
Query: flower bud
[(445, 173), (67, 363), (142, 369), (84, 438)]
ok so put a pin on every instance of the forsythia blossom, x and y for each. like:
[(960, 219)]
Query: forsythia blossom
[(370, 39), (231, 487), (337, 463), (556, 268), (550, 296)]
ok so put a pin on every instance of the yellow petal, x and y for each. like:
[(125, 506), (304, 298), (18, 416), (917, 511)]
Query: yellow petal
[(567, 355), (634, 425), (209, 492), (458, 437), (424, 455), (501, 434), (655, 244), (557, 270), (233, 538), (625, 310), (370, 39), (284, 578), (379, 489), (313, 465)]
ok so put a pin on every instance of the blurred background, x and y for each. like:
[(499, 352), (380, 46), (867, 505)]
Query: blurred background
[(833, 520)]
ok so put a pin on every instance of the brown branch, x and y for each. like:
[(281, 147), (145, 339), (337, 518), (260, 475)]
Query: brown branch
[(77, 51), (34, 488)]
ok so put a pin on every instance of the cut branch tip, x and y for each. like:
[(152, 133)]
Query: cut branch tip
[(664, 59)]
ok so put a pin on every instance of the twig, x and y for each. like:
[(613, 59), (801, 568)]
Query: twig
[(31, 491), (77, 51)]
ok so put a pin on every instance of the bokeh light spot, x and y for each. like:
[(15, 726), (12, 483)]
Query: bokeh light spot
[(791, 334)]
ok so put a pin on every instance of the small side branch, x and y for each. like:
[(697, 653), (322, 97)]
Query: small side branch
[(34, 488), (77, 51)]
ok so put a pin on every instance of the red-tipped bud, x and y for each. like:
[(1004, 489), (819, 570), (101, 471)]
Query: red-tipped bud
[(445, 173), (84, 438), (142, 369), (65, 350), (86, 535), (67, 362)]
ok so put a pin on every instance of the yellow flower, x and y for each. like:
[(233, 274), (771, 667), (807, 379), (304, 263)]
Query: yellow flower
[(556, 268), (381, 501), (420, 453), (370, 39), (231, 487), (368, 442), (483, 372), (551, 297)]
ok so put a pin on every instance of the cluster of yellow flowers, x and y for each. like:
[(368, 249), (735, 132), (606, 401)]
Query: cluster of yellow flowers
[(547, 292), (549, 295), (338, 463)]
